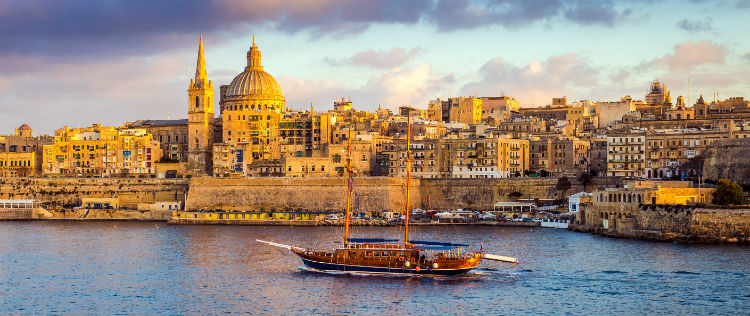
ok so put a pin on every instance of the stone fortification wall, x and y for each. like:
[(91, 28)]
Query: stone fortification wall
[(313, 194), (666, 222), (71, 190), (447, 194), (371, 193), (728, 159)]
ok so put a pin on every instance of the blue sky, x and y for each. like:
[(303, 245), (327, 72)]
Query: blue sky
[(80, 62)]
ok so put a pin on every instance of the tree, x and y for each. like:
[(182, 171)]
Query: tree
[(728, 192), (563, 184), (585, 178), (543, 173)]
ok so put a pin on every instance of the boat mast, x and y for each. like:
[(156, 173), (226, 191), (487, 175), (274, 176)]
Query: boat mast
[(348, 186), (408, 175)]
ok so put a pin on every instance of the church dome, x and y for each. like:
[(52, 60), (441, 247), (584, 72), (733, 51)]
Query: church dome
[(254, 83), (254, 86), (24, 127)]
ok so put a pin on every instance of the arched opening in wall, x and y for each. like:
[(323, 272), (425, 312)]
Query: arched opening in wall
[(197, 102), (661, 173), (630, 198), (196, 141), (649, 174), (610, 198), (639, 198)]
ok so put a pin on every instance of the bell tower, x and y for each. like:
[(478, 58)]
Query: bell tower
[(200, 119)]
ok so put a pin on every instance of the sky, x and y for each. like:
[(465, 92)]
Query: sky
[(75, 63)]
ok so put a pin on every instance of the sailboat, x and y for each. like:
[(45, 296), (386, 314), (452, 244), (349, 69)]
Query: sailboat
[(389, 256)]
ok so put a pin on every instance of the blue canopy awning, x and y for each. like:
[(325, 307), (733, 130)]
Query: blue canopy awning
[(436, 243), (433, 247), (360, 240)]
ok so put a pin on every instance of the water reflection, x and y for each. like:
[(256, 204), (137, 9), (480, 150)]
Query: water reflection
[(150, 268)]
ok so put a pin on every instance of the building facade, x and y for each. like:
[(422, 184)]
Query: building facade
[(101, 151)]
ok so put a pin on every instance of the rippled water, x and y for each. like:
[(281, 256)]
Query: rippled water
[(153, 268)]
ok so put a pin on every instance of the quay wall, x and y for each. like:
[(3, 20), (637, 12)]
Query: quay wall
[(70, 191), (666, 222)]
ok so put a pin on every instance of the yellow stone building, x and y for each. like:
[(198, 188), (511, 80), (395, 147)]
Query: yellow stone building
[(19, 164), (101, 151), (655, 195), (251, 109), (467, 110)]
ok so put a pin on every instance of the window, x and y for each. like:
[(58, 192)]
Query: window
[(197, 102)]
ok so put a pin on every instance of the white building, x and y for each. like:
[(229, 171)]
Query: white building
[(474, 172), (575, 200)]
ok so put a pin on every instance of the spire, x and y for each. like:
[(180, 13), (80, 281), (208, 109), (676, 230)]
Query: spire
[(253, 58), (200, 68)]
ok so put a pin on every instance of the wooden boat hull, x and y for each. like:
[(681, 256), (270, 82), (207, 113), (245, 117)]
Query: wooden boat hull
[(342, 267)]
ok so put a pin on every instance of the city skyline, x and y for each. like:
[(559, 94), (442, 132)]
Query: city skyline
[(90, 63)]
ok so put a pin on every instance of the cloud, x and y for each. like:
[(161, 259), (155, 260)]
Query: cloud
[(689, 55), (377, 58), (89, 29), (143, 26), (389, 89), (595, 12), (451, 15), (108, 92), (696, 26), (536, 83)]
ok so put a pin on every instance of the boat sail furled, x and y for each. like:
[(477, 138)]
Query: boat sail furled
[(376, 255)]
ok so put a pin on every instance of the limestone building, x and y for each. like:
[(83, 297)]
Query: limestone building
[(171, 134), (200, 119), (680, 111), (626, 154), (658, 101), (21, 152), (19, 164), (461, 110), (674, 152), (23, 141), (101, 151), (610, 112), (251, 109), (560, 155)]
